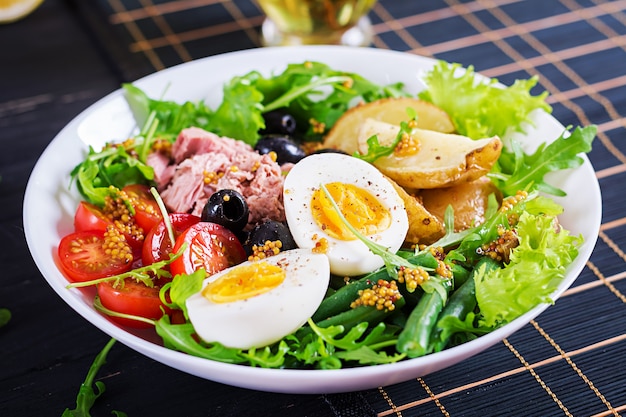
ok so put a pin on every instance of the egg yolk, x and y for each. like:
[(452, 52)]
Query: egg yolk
[(360, 208), (244, 282)]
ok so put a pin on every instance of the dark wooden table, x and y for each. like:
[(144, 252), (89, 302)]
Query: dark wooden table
[(68, 54)]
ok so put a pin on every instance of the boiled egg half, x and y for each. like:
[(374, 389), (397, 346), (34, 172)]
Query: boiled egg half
[(257, 303), (367, 200)]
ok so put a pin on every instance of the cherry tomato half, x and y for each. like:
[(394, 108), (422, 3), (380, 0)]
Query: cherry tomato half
[(157, 245), (209, 246), (133, 298), (84, 259), (89, 217), (147, 213)]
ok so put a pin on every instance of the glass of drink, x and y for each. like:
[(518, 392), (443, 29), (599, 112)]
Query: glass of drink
[(310, 22)]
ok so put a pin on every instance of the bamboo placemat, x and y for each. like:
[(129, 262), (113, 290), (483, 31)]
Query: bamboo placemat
[(568, 361)]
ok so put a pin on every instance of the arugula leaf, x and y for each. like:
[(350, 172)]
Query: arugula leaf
[(113, 166), (181, 337), (375, 150), (172, 116), (5, 316), (87, 396), (239, 116), (266, 357), (516, 170), (326, 348), (181, 288), (481, 108), (536, 268)]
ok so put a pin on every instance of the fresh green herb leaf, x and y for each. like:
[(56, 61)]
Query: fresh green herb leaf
[(181, 288), (172, 117), (90, 391), (240, 114), (365, 355), (5, 316), (181, 337), (375, 150), (327, 348), (481, 108), (112, 166), (516, 170), (267, 357)]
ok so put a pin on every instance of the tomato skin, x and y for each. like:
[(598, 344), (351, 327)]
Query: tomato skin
[(209, 246), (133, 298), (157, 245), (147, 212), (83, 258), (89, 217)]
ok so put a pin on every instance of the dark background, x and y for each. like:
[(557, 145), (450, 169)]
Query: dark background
[(68, 54)]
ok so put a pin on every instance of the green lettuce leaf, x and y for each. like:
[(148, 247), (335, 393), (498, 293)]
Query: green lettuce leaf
[(481, 108), (536, 268), (239, 116)]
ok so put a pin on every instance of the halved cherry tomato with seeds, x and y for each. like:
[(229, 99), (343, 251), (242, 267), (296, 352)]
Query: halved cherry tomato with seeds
[(157, 245), (84, 257), (134, 298), (147, 213), (209, 246), (90, 217)]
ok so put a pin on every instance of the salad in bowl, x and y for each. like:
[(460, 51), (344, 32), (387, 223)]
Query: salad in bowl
[(311, 218)]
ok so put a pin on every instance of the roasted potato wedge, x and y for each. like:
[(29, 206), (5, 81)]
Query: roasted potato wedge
[(441, 159), (469, 201), (343, 135), (423, 226)]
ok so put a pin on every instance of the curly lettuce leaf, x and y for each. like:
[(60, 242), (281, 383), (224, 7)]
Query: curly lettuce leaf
[(536, 268), (481, 108)]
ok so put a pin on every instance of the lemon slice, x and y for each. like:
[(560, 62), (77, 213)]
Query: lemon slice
[(12, 10)]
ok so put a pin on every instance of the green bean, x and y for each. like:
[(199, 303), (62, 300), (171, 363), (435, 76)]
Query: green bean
[(414, 339), (353, 316), (341, 299), (460, 274), (461, 302)]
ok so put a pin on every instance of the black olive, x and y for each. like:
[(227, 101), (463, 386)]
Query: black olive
[(227, 208), (287, 150), (270, 230), (278, 121)]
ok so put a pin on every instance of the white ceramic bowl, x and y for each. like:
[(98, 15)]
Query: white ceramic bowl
[(50, 203)]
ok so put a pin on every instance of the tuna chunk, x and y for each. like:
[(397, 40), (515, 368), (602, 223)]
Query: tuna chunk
[(194, 141), (208, 163), (163, 171)]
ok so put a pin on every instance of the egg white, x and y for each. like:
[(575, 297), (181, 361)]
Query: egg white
[(347, 258), (265, 318)]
